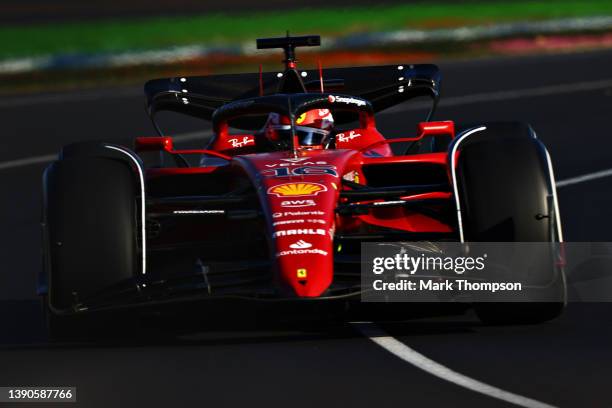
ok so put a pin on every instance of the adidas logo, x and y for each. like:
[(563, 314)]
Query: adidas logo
[(301, 244)]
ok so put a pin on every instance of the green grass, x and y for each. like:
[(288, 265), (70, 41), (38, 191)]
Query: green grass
[(119, 35)]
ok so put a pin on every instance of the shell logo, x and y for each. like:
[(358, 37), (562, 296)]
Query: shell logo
[(297, 189)]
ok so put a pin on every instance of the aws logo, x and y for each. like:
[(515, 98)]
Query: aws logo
[(297, 189), (297, 203)]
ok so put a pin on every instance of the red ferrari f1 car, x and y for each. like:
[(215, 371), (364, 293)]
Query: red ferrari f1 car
[(295, 178)]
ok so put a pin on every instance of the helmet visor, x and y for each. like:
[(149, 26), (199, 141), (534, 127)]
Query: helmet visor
[(307, 136)]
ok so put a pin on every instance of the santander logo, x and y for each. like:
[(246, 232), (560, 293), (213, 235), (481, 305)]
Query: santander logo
[(301, 244)]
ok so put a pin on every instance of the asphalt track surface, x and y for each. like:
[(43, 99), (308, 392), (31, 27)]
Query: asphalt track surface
[(566, 363)]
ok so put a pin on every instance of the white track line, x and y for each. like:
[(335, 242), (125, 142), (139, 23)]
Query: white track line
[(95, 95), (447, 102), (27, 161), (407, 354), (586, 177), (180, 138), (71, 97), (370, 330), (185, 137), (548, 90), (526, 93)]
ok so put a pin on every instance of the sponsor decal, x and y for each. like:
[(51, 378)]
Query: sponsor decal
[(295, 159), (274, 224), (299, 221), (237, 105), (301, 119), (351, 176), (301, 244), (386, 203), (317, 221), (309, 163), (302, 252), (301, 171), (246, 140), (298, 203), (301, 231), (296, 214), (302, 273), (198, 212), (310, 171), (297, 189), (343, 137), (345, 99)]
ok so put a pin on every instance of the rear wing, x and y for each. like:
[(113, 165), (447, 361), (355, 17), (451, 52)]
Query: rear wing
[(383, 86)]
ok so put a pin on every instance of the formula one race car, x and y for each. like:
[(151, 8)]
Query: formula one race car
[(295, 177)]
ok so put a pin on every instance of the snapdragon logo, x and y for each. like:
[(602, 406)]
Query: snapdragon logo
[(347, 100), (413, 264)]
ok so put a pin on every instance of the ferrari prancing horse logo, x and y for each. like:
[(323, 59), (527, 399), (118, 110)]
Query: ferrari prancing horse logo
[(302, 273)]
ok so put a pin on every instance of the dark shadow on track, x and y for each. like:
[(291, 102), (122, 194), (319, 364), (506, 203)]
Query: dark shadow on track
[(25, 327)]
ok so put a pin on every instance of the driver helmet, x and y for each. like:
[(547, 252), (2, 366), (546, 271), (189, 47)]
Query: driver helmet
[(312, 128)]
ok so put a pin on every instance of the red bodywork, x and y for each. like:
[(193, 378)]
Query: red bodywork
[(300, 193)]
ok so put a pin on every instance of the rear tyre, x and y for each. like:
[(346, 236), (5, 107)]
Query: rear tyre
[(90, 226), (506, 195)]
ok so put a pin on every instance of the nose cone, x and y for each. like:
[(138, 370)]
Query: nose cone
[(299, 196), (302, 231)]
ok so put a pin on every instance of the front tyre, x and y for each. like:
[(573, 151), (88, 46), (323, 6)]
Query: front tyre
[(91, 219), (506, 193)]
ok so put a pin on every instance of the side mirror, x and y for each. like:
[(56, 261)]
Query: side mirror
[(153, 144), (436, 128)]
